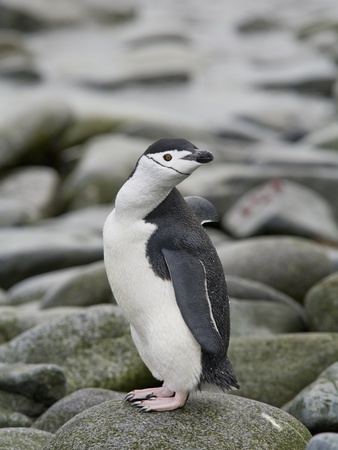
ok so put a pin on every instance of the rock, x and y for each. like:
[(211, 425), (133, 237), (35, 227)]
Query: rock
[(16, 320), (4, 298), (273, 369), (39, 15), (16, 61), (263, 318), (23, 439), (68, 407), (326, 137), (31, 135), (281, 207), (85, 287), (27, 195), (321, 304), (316, 405), (17, 410), (290, 265), (316, 76), (230, 181), (93, 347), (35, 288), (28, 251), (44, 383), (233, 423), (106, 164), (323, 441)]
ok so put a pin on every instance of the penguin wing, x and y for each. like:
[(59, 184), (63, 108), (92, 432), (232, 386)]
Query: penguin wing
[(203, 209), (188, 276)]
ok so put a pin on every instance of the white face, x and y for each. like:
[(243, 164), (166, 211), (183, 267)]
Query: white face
[(171, 163)]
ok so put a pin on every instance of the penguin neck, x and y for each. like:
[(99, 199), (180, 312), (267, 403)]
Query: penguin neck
[(139, 196)]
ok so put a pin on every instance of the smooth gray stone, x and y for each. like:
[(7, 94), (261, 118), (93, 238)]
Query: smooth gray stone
[(23, 439), (323, 441), (281, 207), (93, 348), (264, 318), (289, 264), (232, 424), (28, 251), (273, 369), (27, 195), (316, 405), (18, 410), (85, 287), (71, 405), (30, 135), (106, 163), (14, 320), (321, 304)]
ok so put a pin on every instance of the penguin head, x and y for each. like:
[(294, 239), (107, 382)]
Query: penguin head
[(173, 159)]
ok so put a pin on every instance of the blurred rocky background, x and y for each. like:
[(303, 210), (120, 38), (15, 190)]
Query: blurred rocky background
[(85, 87)]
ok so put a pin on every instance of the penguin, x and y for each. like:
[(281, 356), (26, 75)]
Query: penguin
[(167, 278)]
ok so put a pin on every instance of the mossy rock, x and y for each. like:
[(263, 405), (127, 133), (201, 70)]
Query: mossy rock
[(207, 421)]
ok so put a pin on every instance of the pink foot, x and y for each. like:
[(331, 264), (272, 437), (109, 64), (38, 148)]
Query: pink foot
[(164, 403), (146, 394)]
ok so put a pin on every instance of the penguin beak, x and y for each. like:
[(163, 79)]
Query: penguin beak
[(202, 157)]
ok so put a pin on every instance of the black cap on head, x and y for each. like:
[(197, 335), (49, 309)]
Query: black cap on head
[(166, 144)]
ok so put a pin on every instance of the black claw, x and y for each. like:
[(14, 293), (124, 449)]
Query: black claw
[(143, 409), (128, 397), (136, 403)]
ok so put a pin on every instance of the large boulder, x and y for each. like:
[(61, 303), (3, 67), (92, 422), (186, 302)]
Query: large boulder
[(273, 369), (93, 347), (207, 421), (23, 439), (291, 265)]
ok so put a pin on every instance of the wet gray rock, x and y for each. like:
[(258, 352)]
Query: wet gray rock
[(264, 318), (107, 162), (273, 369), (316, 405), (44, 383), (30, 136), (233, 423), (27, 195), (321, 304), (23, 439), (93, 347), (71, 405), (281, 207), (85, 287), (291, 265), (323, 441)]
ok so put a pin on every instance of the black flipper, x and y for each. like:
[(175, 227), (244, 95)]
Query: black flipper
[(188, 276), (203, 209)]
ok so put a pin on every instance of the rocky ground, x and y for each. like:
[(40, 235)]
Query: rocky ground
[(85, 88)]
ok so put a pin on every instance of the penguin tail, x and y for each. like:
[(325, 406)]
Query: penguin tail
[(218, 371)]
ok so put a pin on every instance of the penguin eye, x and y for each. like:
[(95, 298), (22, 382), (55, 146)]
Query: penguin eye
[(167, 157)]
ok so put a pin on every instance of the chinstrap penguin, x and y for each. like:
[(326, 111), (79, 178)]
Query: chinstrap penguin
[(167, 277)]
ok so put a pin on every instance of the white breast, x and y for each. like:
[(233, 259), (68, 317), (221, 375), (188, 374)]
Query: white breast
[(162, 337)]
